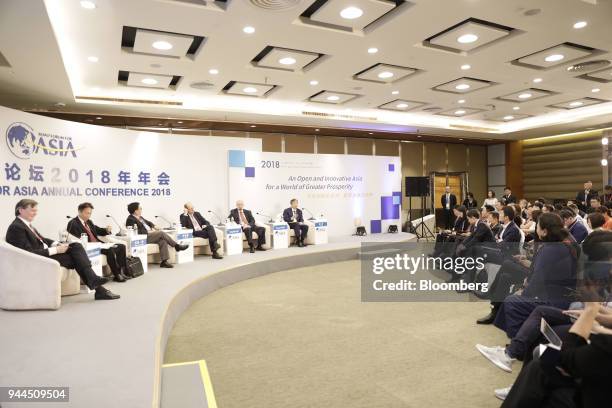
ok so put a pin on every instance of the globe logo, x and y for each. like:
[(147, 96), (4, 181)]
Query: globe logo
[(20, 139)]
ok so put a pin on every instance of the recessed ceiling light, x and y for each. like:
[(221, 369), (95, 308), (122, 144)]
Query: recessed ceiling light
[(537, 80), (401, 105), (459, 112), (253, 126), (89, 5), (351, 13), (465, 67), (248, 30), (577, 103), (385, 75), (287, 61), (580, 24), (461, 101), (213, 71), (333, 98), (462, 87), (180, 121), (595, 90), (467, 38), (460, 139), (525, 95), (370, 133), (509, 117), (162, 45), (149, 81), (554, 58), (92, 59), (98, 117), (604, 162), (604, 141), (516, 108), (316, 130), (250, 89), (372, 50), (314, 82)]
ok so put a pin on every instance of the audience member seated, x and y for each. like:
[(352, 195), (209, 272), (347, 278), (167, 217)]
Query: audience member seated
[(575, 227), (490, 200), (470, 201), (247, 222), (293, 216), (596, 221), (153, 233), (115, 255), (595, 203), (606, 197), (22, 234), (444, 237), (494, 224), (201, 228)]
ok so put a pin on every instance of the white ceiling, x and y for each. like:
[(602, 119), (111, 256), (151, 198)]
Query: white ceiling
[(48, 44)]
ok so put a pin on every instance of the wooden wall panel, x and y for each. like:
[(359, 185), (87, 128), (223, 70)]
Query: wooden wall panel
[(359, 146), (457, 157), (477, 172), (387, 148), (330, 145), (299, 144)]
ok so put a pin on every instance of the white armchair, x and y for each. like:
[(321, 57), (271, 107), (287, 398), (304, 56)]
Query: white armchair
[(29, 281), (202, 247)]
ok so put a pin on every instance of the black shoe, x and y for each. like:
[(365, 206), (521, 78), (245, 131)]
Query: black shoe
[(99, 281), (216, 246), (104, 294), (216, 255), (488, 319), (166, 264), (119, 278), (181, 247), (260, 248), (299, 243), (252, 249), (304, 244)]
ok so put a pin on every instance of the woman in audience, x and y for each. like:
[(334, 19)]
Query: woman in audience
[(523, 205), (490, 200), (551, 280), (547, 208), (470, 202), (529, 226)]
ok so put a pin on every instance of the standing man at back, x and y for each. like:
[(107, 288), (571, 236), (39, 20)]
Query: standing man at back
[(449, 201)]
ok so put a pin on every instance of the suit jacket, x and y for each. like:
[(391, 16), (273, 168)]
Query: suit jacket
[(467, 204), (19, 235), (131, 220), (187, 223), (235, 215), (581, 195), (511, 233), (461, 224), (482, 233), (578, 231), (75, 227), (452, 199), (288, 213), (496, 229), (508, 199)]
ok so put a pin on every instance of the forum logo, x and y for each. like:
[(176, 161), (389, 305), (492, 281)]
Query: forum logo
[(23, 142)]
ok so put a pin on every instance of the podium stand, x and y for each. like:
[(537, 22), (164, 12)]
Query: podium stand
[(93, 250), (317, 232), (183, 236), (232, 238), (279, 235)]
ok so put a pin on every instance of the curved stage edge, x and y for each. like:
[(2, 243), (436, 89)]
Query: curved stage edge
[(110, 352)]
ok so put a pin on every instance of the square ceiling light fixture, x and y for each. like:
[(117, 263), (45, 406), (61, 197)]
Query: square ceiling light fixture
[(468, 35), (331, 97), (248, 89), (402, 105), (602, 76), (555, 56), (145, 80), (526, 95), (577, 103), (160, 43), (353, 16), (509, 117), (459, 112), (286, 59), (384, 73), (463, 85)]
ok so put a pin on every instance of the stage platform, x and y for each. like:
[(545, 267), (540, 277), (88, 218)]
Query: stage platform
[(110, 352)]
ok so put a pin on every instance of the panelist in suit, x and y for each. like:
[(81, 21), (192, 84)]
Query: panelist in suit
[(201, 228), (449, 201), (154, 235), (247, 222), (115, 255), (23, 235), (508, 198), (293, 216), (583, 197)]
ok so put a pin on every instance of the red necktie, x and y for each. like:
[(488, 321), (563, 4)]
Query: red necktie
[(37, 234), (92, 237)]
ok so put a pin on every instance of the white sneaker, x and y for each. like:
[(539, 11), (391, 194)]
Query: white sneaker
[(497, 355), (502, 393)]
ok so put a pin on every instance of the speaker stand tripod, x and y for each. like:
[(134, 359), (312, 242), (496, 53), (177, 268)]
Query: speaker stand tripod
[(425, 232)]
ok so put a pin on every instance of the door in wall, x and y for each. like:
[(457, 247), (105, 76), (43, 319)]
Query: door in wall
[(440, 181)]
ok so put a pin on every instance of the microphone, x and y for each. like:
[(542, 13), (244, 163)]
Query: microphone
[(121, 230), (312, 217), (266, 215), (169, 223), (216, 215)]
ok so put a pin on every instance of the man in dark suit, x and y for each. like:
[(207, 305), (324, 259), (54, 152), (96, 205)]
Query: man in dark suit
[(510, 231), (22, 234), (247, 222), (293, 216), (575, 227), (449, 201), (507, 198), (201, 228), (154, 235), (480, 231), (594, 204), (115, 255), (583, 197), (493, 220)]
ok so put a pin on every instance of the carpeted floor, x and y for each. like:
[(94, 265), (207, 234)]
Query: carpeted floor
[(302, 338)]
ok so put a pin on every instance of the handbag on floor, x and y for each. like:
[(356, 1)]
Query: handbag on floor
[(134, 267)]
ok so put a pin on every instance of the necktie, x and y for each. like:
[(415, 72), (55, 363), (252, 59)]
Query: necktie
[(242, 218), (196, 224), (92, 237), (36, 233)]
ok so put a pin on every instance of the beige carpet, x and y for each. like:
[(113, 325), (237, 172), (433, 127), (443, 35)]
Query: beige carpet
[(302, 338)]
